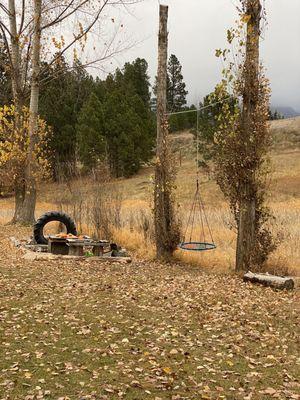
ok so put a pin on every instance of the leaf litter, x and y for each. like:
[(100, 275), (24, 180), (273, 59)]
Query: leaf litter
[(141, 331)]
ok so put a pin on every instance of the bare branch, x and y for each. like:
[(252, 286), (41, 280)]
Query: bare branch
[(82, 34), (91, 64), (6, 44), (4, 9), (5, 28), (22, 18), (61, 17)]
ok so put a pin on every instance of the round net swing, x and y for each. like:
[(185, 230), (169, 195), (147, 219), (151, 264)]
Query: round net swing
[(198, 235)]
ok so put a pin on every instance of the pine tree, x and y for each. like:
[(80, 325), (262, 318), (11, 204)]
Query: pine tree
[(273, 116), (209, 123), (129, 131), (176, 91), (90, 133), (126, 124), (63, 93), (136, 74), (176, 88), (129, 122)]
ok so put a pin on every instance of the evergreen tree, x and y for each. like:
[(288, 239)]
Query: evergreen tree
[(129, 131), (176, 92), (209, 123), (136, 74), (90, 132), (63, 93), (273, 116), (129, 122), (183, 121), (114, 121)]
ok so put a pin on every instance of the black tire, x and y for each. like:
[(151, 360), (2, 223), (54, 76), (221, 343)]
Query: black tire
[(65, 219)]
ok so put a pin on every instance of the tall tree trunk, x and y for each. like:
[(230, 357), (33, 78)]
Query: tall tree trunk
[(19, 200), (29, 203), (162, 79), (16, 79), (166, 234), (15, 53), (246, 224)]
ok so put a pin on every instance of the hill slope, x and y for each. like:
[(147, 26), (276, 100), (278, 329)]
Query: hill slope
[(286, 132)]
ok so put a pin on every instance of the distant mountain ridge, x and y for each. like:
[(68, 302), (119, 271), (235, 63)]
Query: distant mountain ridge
[(287, 112)]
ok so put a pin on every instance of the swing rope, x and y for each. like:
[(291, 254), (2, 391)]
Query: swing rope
[(198, 203)]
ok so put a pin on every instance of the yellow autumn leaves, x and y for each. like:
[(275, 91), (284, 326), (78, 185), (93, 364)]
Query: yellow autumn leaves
[(14, 143)]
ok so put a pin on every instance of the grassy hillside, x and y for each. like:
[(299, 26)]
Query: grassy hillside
[(286, 132), (135, 231)]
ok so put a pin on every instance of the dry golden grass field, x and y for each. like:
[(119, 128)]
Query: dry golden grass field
[(134, 230)]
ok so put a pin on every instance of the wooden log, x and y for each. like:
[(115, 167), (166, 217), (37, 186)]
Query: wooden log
[(274, 281)]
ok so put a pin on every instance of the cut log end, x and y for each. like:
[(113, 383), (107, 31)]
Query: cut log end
[(274, 281)]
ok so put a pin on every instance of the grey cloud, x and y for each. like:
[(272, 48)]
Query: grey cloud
[(198, 27)]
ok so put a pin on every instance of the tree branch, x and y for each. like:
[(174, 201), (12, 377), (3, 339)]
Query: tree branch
[(5, 28), (22, 18), (82, 34), (4, 9), (6, 44), (61, 17)]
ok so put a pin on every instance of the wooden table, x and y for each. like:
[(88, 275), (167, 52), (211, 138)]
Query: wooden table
[(75, 247), (57, 245)]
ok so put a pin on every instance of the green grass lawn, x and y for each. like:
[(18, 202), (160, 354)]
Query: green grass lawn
[(142, 331)]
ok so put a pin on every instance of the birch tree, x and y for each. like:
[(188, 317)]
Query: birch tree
[(29, 200), (26, 28)]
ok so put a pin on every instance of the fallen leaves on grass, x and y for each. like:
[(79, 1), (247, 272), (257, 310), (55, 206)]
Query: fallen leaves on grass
[(71, 330)]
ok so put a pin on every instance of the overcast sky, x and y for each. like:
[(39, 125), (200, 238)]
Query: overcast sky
[(198, 27)]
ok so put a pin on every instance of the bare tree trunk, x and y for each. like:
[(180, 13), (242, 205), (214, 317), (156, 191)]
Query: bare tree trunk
[(28, 209), (166, 234), (246, 224), (15, 52), (19, 200), (162, 79), (16, 79)]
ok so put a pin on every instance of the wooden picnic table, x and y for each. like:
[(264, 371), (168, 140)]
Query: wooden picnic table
[(75, 247)]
